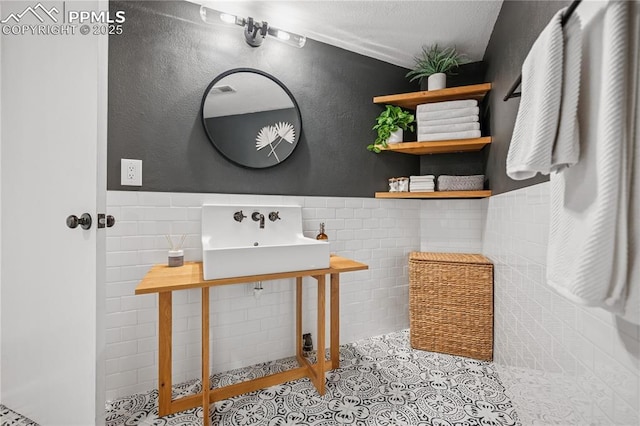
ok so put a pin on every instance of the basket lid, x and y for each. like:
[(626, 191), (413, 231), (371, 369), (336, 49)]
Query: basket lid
[(449, 257)]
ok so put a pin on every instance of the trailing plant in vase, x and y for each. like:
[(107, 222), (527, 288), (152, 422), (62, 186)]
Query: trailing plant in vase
[(434, 60), (390, 120)]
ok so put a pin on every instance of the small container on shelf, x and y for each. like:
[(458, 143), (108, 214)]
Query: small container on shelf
[(403, 184), (393, 185)]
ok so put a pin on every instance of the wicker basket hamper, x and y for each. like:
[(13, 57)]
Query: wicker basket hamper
[(451, 304)]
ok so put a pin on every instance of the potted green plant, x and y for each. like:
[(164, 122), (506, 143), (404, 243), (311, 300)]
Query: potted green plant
[(390, 124), (433, 64)]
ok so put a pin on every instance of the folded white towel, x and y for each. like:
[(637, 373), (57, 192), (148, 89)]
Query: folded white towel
[(422, 177), (537, 120), (418, 187), (460, 127), (587, 256), (448, 113), (421, 182), (421, 190), (440, 106), (424, 119), (469, 134)]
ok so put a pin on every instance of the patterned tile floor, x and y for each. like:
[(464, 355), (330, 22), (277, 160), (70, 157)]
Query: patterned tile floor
[(382, 381), (544, 400), (11, 418)]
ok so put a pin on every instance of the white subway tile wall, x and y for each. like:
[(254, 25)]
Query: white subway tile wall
[(246, 330), (561, 363), (451, 226)]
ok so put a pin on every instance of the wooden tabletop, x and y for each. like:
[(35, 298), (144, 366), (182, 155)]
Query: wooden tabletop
[(161, 278)]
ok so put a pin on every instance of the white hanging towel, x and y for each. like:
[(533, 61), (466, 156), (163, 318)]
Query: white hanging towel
[(588, 240), (545, 135), (632, 305), (566, 148)]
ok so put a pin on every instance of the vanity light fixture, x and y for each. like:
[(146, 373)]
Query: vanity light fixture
[(254, 31)]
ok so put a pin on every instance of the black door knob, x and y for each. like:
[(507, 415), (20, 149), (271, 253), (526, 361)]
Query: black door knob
[(110, 221), (84, 221)]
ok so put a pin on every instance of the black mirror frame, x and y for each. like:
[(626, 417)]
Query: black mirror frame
[(264, 74)]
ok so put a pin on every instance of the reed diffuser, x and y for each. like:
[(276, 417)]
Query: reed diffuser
[(176, 254)]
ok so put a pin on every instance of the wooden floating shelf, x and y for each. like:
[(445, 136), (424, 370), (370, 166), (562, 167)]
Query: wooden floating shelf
[(439, 147), (413, 99), (435, 195)]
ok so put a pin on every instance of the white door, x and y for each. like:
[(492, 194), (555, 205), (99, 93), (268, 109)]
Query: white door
[(53, 141)]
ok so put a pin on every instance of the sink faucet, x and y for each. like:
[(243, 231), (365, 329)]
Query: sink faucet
[(257, 216)]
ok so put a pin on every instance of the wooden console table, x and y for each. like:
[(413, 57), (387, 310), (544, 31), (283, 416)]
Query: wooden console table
[(164, 280)]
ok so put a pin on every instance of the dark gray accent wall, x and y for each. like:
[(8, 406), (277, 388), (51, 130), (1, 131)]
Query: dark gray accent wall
[(160, 67), (517, 28)]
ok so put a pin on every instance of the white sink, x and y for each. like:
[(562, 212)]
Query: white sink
[(235, 249)]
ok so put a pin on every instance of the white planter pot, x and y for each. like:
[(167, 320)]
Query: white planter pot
[(395, 136), (437, 81)]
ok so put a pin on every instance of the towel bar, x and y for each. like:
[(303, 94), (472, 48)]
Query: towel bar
[(512, 91)]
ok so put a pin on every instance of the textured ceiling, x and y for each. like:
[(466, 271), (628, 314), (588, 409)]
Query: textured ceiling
[(392, 31)]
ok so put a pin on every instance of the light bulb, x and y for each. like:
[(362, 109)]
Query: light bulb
[(229, 19), (212, 16), (288, 37), (283, 35)]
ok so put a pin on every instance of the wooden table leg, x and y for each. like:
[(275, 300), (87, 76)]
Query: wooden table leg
[(205, 356), (164, 353), (321, 331), (335, 321), (299, 320)]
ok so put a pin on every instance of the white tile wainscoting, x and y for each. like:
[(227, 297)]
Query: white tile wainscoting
[(561, 363), (246, 331)]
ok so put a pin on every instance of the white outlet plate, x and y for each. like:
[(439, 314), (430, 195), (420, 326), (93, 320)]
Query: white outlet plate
[(130, 172)]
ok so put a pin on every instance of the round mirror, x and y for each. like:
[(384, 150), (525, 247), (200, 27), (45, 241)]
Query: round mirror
[(251, 118)]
